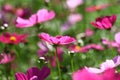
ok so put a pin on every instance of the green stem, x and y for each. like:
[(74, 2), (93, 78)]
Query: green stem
[(58, 64), (50, 69), (72, 63)]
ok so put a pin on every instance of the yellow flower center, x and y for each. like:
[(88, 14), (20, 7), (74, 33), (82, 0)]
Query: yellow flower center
[(13, 38), (97, 7), (77, 47)]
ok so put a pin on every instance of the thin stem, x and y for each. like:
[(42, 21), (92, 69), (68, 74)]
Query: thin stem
[(58, 64), (72, 63), (50, 69)]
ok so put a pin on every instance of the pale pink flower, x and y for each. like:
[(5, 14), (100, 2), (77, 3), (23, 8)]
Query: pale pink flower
[(117, 37), (72, 4), (41, 16), (74, 18), (44, 15), (22, 23)]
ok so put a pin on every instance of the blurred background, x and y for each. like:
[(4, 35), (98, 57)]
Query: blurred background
[(72, 19)]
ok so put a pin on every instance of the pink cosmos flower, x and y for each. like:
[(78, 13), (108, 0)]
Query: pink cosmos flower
[(33, 74), (105, 22), (6, 58), (41, 16), (12, 38), (57, 40), (96, 7)]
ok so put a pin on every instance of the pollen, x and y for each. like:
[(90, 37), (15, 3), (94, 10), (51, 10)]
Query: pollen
[(13, 38)]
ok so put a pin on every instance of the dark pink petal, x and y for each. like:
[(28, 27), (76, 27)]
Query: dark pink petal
[(106, 23), (45, 71), (33, 72), (20, 76), (113, 19), (98, 25), (41, 74)]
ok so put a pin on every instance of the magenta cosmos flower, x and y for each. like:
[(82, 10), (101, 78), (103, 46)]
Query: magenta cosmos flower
[(12, 38), (105, 22), (57, 40), (33, 74), (6, 58), (41, 16)]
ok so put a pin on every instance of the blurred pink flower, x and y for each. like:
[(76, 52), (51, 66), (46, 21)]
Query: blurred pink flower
[(110, 43), (7, 7), (33, 74), (19, 12), (105, 22), (96, 7), (7, 58), (91, 46), (41, 16), (12, 38), (57, 40), (84, 49), (117, 37), (72, 4), (74, 48), (74, 18), (89, 32)]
